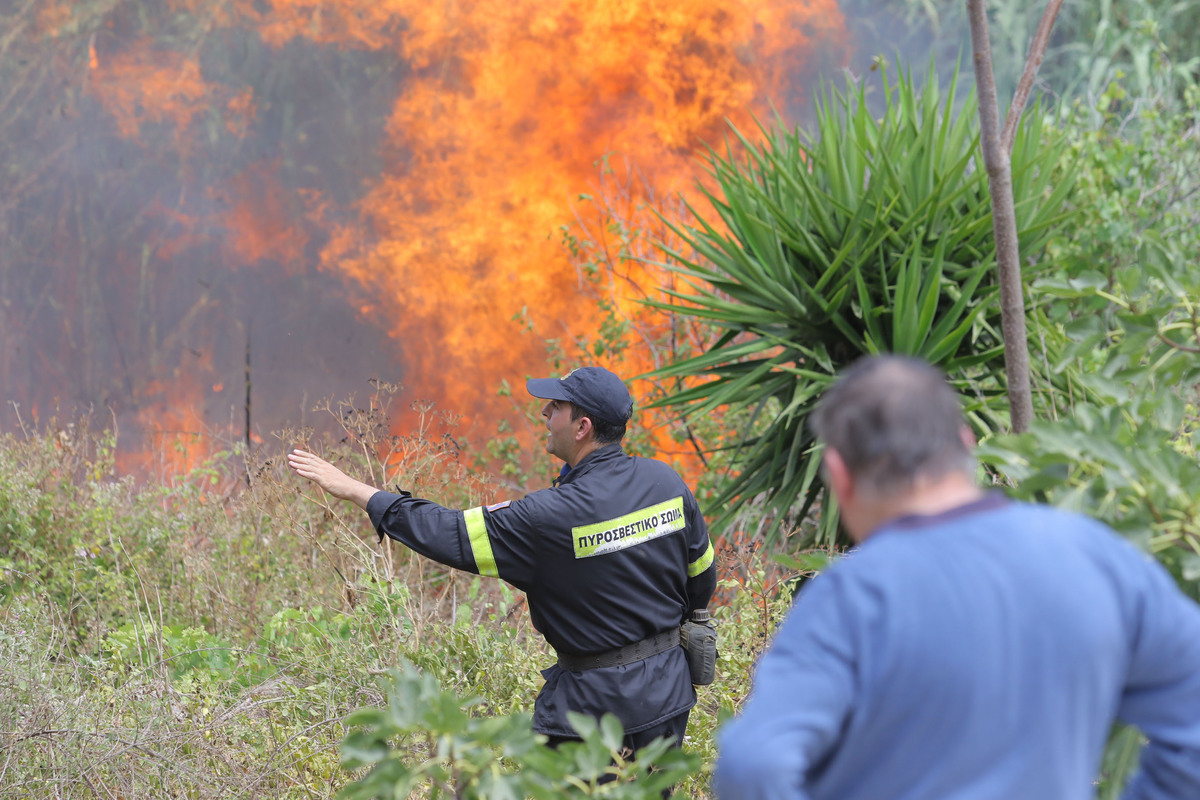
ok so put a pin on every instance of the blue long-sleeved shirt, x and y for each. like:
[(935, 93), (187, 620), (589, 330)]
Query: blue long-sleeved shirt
[(978, 654)]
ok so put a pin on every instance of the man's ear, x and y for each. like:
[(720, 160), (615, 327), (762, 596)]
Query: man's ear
[(583, 426), (968, 438), (837, 475)]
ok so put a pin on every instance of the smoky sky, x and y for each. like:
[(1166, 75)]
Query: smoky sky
[(122, 288)]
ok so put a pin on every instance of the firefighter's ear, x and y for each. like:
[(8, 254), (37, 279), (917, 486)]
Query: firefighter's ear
[(583, 426)]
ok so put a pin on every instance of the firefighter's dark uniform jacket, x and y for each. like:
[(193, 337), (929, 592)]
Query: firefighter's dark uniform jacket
[(615, 553)]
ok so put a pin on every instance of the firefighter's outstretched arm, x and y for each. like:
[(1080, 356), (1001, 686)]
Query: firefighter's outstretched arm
[(330, 478)]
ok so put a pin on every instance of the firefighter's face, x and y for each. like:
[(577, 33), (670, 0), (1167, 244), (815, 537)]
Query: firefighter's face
[(560, 439)]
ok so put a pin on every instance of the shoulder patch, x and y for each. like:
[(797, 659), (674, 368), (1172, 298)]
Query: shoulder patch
[(498, 506)]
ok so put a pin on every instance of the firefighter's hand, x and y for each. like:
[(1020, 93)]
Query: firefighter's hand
[(330, 478)]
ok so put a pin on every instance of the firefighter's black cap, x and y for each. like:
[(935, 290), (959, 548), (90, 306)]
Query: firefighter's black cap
[(594, 389)]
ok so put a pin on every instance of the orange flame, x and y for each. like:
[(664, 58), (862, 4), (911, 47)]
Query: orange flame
[(506, 111), (510, 107), (260, 222), (145, 85)]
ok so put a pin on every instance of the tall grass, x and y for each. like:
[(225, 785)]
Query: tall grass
[(207, 639)]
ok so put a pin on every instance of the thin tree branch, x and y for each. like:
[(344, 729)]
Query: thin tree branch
[(13, 194), (1195, 314), (1037, 50), (19, 20), (1176, 345)]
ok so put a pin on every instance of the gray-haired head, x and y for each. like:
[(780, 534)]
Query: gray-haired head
[(893, 419)]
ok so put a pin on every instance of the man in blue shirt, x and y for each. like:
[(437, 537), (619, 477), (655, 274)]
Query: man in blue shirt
[(970, 647)]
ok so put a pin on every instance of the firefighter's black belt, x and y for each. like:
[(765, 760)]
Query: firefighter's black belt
[(628, 654)]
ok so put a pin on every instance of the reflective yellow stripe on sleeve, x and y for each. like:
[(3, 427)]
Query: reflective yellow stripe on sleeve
[(702, 563), (481, 546)]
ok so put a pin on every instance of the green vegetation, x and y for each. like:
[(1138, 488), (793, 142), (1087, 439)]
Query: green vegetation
[(203, 639), (1093, 43), (872, 234), (1117, 326), (495, 757)]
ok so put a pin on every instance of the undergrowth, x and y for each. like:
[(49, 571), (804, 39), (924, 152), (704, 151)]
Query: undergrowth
[(207, 638)]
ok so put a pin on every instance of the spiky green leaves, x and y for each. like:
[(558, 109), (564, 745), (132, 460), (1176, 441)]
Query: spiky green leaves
[(871, 235)]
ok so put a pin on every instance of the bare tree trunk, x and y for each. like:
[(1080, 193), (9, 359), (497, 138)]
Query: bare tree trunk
[(1003, 214)]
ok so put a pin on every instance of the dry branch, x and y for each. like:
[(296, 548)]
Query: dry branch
[(1037, 51), (21, 17)]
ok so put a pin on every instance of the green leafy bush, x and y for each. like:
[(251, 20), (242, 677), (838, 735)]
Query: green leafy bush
[(190, 639), (1090, 45), (871, 235), (1117, 323), (427, 739)]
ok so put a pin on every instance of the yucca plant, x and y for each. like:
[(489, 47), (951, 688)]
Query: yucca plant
[(871, 234)]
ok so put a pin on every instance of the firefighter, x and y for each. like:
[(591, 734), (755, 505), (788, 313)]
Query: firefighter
[(613, 557)]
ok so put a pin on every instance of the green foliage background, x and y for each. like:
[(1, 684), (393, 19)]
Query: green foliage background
[(201, 639), (1116, 325), (871, 233)]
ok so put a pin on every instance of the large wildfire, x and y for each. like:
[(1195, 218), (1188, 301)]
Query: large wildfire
[(339, 189)]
